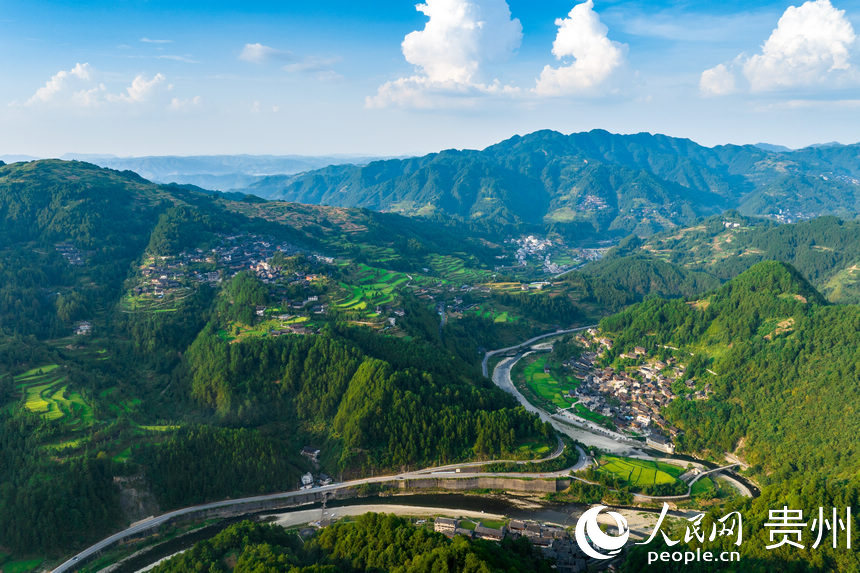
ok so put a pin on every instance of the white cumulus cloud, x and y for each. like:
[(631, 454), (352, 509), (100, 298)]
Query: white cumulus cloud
[(140, 90), (459, 38), (717, 81), (178, 104), (80, 87), (810, 46), (584, 38), (63, 81), (258, 53)]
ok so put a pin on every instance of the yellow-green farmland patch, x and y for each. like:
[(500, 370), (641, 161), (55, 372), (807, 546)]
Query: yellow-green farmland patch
[(639, 473), (546, 388), (46, 392)]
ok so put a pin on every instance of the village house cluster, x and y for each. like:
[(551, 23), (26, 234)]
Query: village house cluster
[(165, 275), (71, 253), (632, 397), (554, 542)]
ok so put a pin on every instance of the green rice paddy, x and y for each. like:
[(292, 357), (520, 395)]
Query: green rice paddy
[(549, 389), (639, 473), (46, 393), (370, 287), (454, 269)]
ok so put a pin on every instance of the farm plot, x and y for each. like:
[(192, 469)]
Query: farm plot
[(370, 287), (547, 390), (489, 312), (639, 473), (453, 269), (45, 392)]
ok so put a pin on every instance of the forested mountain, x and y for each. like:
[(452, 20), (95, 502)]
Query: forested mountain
[(587, 183), (193, 343), (825, 250), (784, 367), (198, 343)]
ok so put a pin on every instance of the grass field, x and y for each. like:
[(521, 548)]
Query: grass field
[(18, 566), (533, 450), (488, 311), (639, 473), (702, 486), (549, 389), (45, 392), (584, 412)]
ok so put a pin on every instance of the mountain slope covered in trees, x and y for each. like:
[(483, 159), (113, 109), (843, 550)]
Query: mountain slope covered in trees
[(588, 183), (784, 368), (135, 344), (825, 250)]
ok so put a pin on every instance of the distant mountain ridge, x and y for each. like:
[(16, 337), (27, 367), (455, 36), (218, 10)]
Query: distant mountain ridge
[(217, 172), (590, 183)]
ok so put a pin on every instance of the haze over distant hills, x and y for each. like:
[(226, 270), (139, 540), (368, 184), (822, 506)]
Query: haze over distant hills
[(216, 172)]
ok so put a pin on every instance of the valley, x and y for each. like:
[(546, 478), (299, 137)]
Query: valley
[(184, 349)]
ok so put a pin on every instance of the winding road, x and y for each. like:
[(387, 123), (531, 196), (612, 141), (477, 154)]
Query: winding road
[(529, 342), (448, 471), (502, 378), (588, 433)]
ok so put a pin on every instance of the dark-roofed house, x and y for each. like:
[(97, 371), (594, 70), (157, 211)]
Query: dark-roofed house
[(489, 533), (445, 525), (311, 453), (660, 442)]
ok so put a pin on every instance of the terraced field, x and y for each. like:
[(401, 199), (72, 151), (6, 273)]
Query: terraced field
[(371, 287), (639, 473), (149, 303), (453, 269), (45, 392)]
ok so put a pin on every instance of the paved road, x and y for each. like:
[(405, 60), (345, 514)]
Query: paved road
[(598, 437), (448, 471), (559, 449), (528, 342), (502, 379)]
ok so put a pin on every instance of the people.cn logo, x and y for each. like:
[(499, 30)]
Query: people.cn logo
[(590, 537)]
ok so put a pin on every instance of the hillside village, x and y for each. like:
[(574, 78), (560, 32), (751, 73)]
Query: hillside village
[(631, 396), (165, 275)]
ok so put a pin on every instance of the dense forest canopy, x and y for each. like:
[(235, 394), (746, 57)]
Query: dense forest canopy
[(785, 370), (825, 250), (588, 185), (116, 359), (373, 542)]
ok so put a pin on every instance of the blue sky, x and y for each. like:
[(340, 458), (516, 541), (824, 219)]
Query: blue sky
[(154, 77)]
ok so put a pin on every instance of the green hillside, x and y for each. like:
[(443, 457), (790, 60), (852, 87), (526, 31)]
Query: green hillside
[(371, 542), (586, 185), (784, 369), (825, 250), (191, 340)]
